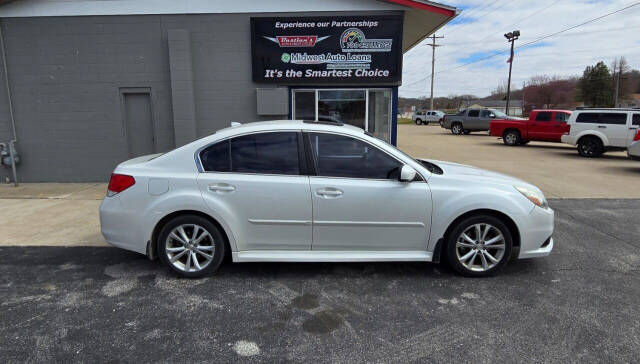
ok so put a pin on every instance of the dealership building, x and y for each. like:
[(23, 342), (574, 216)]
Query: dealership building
[(87, 84)]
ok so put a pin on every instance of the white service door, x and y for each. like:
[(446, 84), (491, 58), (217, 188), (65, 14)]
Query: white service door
[(358, 202), (253, 181)]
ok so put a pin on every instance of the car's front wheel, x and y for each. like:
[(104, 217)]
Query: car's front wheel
[(479, 246), (191, 246)]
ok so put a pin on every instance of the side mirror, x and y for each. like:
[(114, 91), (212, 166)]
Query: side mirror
[(407, 174), (492, 116)]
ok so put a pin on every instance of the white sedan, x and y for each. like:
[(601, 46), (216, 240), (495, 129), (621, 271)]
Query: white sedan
[(294, 191)]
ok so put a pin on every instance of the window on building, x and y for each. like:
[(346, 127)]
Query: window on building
[(342, 156)]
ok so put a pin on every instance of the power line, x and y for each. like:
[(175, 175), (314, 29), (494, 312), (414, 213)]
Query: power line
[(533, 41)]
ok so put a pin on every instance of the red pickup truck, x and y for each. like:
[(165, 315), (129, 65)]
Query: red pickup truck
[(543, 125)]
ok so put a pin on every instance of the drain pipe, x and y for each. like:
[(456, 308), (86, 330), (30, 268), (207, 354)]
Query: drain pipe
[(12, 143)]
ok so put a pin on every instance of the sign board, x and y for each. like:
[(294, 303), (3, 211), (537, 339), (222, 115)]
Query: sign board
[(327, 50)]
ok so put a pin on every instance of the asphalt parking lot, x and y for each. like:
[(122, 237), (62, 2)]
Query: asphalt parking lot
[(554, 167), (88, 304)]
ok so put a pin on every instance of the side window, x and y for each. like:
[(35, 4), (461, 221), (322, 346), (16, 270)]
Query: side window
[(216, 158), (474, 113), (636, 119), (611, 118), (561, 117), (269, 153), (588, 117), (543, 116), (343, 156), (485, 114)]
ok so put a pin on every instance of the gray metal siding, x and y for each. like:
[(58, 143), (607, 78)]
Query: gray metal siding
[(66, 74)]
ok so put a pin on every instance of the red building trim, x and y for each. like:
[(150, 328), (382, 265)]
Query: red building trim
[(423, 6)]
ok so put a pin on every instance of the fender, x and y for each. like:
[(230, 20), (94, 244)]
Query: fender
[(599, 134), (449, 205)]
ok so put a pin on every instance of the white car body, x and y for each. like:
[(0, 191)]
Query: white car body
[(616, 135), (428, 116), (270, 218)]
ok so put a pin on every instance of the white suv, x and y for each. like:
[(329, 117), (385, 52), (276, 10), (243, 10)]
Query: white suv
[(594, 131)]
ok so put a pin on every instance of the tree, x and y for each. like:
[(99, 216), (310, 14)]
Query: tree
[(596, 86), (550, 92), (622, 82)]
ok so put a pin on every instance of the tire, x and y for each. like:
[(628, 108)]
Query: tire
[(467, 132), (457, 129), (590, 147), (466, 256), (511, 138), (209, 252), (418, 122)]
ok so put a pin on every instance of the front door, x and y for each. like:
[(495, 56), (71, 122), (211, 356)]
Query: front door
[(358, 202), (255, 183), (540, 128)]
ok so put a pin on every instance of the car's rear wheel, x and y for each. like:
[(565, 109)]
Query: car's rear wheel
[(191, 246), (418, 122), (479, 246), (457, 129), (511, 137), (590, 147)]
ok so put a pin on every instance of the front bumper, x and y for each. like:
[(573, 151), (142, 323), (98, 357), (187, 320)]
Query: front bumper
[(535, 233), (568, 139)]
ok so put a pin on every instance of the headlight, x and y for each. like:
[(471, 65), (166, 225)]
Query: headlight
[(533, 195)]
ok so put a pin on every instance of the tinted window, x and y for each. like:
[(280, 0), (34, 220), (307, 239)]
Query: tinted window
[(636, 119), (486, 113), (562, 117), (272, 153), (610, 118), (543, 116), (474, 113), (341, 156), (587, 117), (215, 158)]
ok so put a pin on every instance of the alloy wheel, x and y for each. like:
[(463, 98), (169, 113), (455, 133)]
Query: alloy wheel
[(456, 129), (190, 248), (588, 147), (511, 138), (480, 247)]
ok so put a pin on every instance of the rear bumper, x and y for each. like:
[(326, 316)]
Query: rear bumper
[(118, 226)]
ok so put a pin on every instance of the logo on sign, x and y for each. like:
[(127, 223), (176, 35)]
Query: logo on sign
[(354, 40), (286, 41)]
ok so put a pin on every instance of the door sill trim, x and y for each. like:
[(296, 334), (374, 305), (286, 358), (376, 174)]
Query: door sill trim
[(330, 256)]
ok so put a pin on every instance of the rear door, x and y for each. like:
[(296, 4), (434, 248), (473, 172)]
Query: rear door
[(540, 127), (257, 183), (560, 126), (615, 126)]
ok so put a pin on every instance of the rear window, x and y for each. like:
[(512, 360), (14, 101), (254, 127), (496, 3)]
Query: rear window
[(562, 117), (610, 118), (474, 113), (543, 116), (636, 119)]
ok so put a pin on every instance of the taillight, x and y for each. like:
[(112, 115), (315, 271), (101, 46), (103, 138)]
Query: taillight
[(637, 137), (119, 183)]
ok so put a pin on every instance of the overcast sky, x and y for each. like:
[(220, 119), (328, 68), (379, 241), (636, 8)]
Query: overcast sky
[(478, 32)]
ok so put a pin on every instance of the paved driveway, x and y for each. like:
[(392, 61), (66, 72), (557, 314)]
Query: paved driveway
[(554, 167), (89, 304)]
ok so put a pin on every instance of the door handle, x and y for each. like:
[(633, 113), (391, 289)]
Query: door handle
[(221, 187), (633, 128), (602, 127), (329, 192)]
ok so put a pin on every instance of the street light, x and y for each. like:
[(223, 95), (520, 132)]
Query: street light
[(511, 37)]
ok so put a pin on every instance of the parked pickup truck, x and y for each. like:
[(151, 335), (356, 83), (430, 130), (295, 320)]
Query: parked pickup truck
[(542, 125), (469, 120)]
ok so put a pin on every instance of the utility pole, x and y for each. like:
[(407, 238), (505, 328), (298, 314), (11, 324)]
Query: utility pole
[(617, 68), (511, 37), (433, 46)]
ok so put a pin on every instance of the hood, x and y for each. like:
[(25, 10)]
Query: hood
[(455, 169)]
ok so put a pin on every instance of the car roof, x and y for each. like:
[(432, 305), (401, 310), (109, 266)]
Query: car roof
[(287, 125), (551, 110)]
